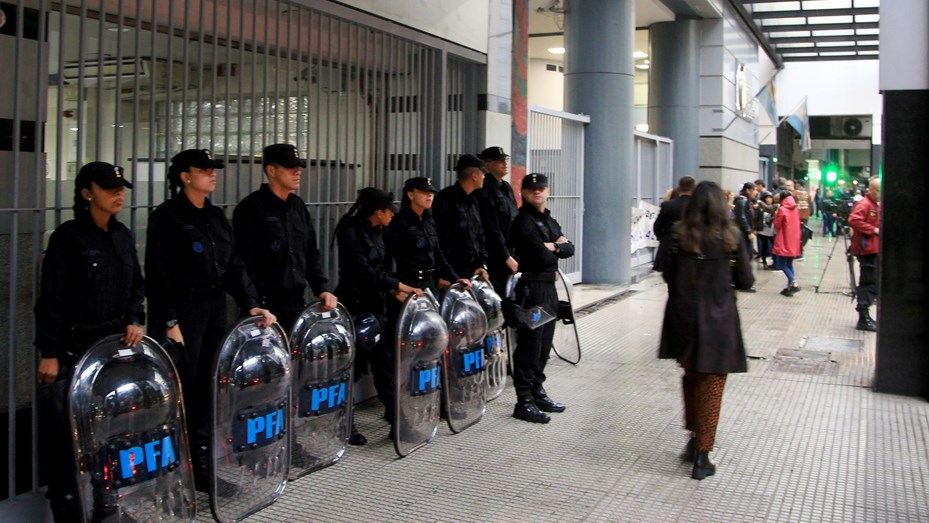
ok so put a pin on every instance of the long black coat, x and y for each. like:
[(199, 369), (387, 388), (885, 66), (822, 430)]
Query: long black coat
[(701, 327)]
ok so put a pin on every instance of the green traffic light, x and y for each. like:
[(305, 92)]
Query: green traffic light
[(831, 176)]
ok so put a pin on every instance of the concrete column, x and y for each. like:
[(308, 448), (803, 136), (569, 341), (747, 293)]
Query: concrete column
[(599, 79), (674, 90)]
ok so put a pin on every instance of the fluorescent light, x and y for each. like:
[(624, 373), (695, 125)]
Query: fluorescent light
[(641, 127), (556, 50), (638, 55), (642, 66)]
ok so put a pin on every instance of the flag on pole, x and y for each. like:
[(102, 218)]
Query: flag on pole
[(768, 100), (800, 121)]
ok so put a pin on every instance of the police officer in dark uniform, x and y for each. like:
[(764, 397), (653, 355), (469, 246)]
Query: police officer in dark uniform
[(276, 239), (191, 263), (365, 280), (458, 219), (91, 287), (413, 248), (498, 210), (537, 240)]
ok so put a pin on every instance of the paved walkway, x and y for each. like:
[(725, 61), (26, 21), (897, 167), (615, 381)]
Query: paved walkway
[(802, 436)]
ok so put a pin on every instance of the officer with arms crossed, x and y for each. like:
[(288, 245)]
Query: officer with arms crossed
[(458, 219), (865, 222), (537, 240), (91, 287), (498, 209), (276, 240), (191, 263)]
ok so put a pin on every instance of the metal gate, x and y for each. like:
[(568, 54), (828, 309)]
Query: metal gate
[(654, 176), (556, 149)]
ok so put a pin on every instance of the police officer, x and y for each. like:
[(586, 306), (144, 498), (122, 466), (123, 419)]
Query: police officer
[(91, 287), (365, 280), (498, 209), (537, 240), (413, 247), (276, 239), (191, 263), (458, 219)]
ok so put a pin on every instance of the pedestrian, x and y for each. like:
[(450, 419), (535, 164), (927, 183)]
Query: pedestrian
[(765, 227), (865, 223), (744, 212), (498, 210), (91, 287), (669, 214), (458, 219), (365, 280), (191, 263), (705, 263), (538, 242), (787, 241), (276, 240)]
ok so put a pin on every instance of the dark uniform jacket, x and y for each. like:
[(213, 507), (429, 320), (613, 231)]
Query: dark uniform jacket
[(90, 278), (413, 246), (670, 213), (277, 242), (458, 223), (701, 327), (190, 252), (363, 275), (531, 230), (498, 210)]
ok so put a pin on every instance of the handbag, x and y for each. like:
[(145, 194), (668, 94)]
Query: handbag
[(806, 234)]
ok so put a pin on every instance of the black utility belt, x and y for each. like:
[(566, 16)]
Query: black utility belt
[(426, 275), (283, 296), (540, 276), (198, 293)]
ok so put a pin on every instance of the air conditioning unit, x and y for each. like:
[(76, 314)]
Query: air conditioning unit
[(850, 127)]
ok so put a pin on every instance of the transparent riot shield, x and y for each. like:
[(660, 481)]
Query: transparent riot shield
[(495, 350), (420, 342), (463, 370), (566, 343), (251, 420), (322, 344), (127, 416), (510, 329)]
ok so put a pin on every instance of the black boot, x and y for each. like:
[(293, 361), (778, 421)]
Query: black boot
[(356, 438), (544, 403), (527, 410), (703, 467), (865, 321)]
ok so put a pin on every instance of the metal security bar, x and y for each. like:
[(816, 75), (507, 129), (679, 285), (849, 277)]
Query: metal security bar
[(556, 149), (133, 82), (654, 168)]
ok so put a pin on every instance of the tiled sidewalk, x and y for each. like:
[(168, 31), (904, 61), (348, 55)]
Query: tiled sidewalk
[(802, 436)]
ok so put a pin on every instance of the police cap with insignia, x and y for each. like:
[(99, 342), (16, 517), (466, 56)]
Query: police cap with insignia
[(200, 158), (494, 153), (535, 181), (466, 161), (283, 154), (419, 182), (104, 174), (371, 199)]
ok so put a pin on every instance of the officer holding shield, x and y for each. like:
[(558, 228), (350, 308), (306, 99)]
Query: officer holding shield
[(91, 287), (538, 243), (498, 210), (458, 219), (191, 264), (276, 239)]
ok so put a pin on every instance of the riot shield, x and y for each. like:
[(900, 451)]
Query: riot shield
[(566, 343), (494, 344), (510, 329), (251, 406), (420, 342), (127, 416), (463, 370), (322, 344)]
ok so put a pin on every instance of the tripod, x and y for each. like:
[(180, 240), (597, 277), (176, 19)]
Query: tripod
[(842, 225)]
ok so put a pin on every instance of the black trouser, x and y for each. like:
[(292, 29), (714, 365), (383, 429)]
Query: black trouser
[(286, 310), (499, 275), (867, 280), (533, 346)]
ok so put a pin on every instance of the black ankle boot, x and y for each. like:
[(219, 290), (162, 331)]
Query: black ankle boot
[(703, 467), (865, 321), (527, 410), (356, 438), (546, 404)]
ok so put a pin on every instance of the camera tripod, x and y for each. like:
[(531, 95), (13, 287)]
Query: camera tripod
[(852, 291)]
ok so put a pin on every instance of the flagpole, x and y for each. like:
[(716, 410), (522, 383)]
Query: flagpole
[(763, 87), (781, 120)]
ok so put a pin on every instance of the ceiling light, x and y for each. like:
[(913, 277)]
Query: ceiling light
[(638, 55), (119, 29), (642, 66), (641, 127), (556, 50)]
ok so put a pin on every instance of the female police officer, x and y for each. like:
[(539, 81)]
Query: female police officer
[(364, 280), (190, 261), (91, 287), (538, 243)]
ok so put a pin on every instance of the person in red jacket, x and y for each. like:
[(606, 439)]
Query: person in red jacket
[(865, 222), (787, 241)]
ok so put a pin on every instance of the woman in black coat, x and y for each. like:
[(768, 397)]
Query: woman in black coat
[(704, 264)]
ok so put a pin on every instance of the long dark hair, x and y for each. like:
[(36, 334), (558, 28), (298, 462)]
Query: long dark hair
[(369, 201), (706, 220)]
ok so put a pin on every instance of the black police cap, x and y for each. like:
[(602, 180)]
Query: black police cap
[(374, 197), (283, 154), (493, 153), (466, 161), (200, 158), (419, 182), (104, 174), (535, 181)]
